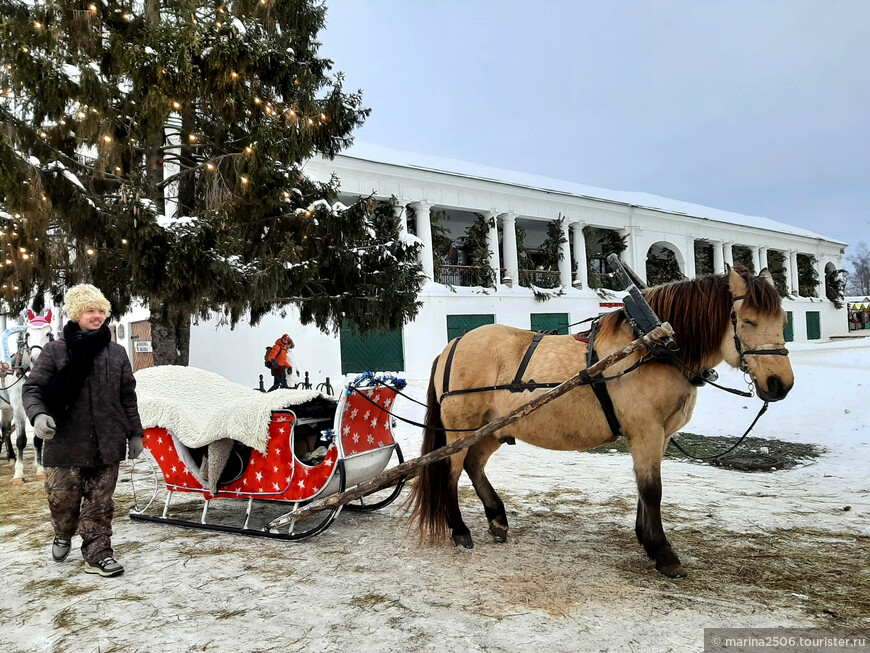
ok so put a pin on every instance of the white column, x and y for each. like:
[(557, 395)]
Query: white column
[(795, 277), (756, 259), (402, 215), (690, 271), (630, 255), (581, 278), (786, 266), (728, 253), (820, 288), (424, 233), (565, 263), (509, 245), (718, 259), (762, 259), (492, 245)]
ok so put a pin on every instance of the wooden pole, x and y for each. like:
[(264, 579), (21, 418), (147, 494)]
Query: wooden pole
[(662, 335)]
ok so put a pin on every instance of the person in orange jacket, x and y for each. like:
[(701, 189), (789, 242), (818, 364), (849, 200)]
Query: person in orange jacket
[(281, 360)]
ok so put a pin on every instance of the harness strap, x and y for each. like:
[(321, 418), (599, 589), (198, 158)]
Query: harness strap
[(446, 384), (517, 385), (600, 389), (521, 370)]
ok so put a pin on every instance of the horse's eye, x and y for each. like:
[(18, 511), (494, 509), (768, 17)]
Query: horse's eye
[(749, 323)]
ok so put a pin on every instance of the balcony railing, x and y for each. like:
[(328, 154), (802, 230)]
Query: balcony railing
[(540, 278), (458, 275)]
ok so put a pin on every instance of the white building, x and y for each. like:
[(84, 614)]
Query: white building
[(461, 191)]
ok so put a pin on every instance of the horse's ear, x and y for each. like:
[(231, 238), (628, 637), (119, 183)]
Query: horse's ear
[(30, 315), (736, 283), (48, 316), (767, 276)]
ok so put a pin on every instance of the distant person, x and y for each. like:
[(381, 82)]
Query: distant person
[(282, 362), (81, 399)]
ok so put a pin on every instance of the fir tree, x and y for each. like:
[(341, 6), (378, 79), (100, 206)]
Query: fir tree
[(703, 257), (743, 256), (662, 267), (808, 276), (601, 243), (776, 266), (156, 150), (477, 246), (835, 287)]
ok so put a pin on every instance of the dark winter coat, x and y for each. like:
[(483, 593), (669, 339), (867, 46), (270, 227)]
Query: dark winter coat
[(105, 415)]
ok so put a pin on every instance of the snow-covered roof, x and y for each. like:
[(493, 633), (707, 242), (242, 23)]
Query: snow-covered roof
[(378, 154)]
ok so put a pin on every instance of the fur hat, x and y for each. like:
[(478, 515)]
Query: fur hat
[(84, 297)]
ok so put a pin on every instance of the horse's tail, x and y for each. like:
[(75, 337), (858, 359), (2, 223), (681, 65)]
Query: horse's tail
[(428, 500)]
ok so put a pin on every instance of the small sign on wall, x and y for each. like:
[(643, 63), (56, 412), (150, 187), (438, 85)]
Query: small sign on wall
[(120, 331), (142, 347)]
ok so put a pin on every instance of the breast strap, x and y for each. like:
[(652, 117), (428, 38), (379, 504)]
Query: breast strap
[(600, 389)]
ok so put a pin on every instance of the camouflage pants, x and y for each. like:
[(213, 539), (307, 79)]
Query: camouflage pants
[(80, 499)]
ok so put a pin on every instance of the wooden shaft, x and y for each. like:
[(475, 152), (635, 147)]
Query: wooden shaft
[(659, 336)]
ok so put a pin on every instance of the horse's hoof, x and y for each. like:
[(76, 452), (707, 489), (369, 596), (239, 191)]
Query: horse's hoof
[(672, 571), (499, 533), (17, 481), (464, 541)]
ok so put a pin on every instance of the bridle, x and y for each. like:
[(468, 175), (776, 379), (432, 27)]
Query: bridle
[(738, 345), (24, 346)]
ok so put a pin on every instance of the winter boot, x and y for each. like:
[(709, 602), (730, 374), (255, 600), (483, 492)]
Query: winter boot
[(105, 567), (60, 549)]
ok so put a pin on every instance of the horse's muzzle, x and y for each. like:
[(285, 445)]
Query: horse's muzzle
[(776, 389)]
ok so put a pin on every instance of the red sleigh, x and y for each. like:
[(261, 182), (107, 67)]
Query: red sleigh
[(314, 451)]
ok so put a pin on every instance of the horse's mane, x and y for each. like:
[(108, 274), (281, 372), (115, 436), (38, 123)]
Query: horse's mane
[(699, 310)]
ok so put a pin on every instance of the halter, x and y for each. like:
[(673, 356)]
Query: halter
[(738, 345)]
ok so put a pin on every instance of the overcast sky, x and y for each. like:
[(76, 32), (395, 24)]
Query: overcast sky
[(759, 107)]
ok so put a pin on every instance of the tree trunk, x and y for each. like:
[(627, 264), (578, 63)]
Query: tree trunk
[(170, 339)]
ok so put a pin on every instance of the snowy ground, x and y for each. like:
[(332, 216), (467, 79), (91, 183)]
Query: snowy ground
[(787, 548)]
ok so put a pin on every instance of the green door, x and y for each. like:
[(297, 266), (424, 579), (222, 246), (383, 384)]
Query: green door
[(788, 332), (459, 325), (557, 322), (814, 328), (377, 352)]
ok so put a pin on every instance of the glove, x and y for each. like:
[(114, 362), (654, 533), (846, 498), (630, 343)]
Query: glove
[(134, 447), (44, 426)]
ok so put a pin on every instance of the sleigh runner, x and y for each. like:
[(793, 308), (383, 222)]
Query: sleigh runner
[(287, 447)]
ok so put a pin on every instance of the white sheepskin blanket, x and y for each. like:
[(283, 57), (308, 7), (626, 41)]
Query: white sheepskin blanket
[(200, 407)]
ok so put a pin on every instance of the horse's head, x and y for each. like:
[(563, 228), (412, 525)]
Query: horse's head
[(755, 342), (37, 334)]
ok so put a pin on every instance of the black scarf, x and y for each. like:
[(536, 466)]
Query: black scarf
[(82, 347)]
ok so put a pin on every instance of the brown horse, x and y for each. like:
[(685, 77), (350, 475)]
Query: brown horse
[(734, 317)]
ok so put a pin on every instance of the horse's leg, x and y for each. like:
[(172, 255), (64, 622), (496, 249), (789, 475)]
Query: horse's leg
[(20, 443), (475, 462), (647, 454), (6, 426), (459, 531), (40, 470)]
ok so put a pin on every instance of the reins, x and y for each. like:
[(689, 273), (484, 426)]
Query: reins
[(727, 451)]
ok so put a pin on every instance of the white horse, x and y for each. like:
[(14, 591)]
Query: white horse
[(35, 336)]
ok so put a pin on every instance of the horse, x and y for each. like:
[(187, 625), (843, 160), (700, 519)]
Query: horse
[(6, 413), (37, 333), (734, 317)]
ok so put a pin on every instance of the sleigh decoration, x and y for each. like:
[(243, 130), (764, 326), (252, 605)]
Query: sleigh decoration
[(284, 447)]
